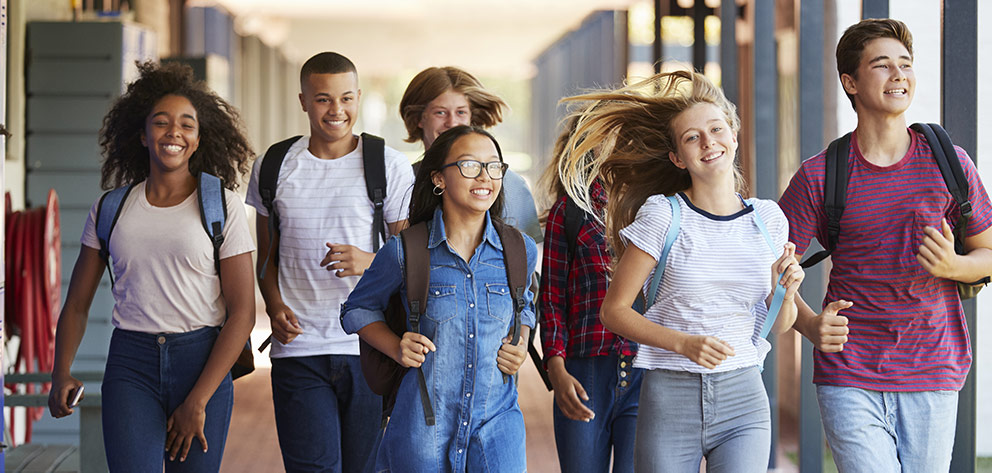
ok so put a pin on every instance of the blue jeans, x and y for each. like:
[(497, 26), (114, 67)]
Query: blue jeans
[(888, 431), (327, 418), (613, 386), (147, 377), (686, 416)]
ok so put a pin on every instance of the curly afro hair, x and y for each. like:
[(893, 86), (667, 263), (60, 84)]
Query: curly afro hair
[(224, 151)]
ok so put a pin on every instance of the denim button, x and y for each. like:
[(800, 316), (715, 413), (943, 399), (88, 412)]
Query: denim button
[(161, 340), (623, 384), (464, 423), (623, 364), (623, 374), (470, 365), (459, 450), (471, 305), (469, 276), (471, 335), (468, 394)]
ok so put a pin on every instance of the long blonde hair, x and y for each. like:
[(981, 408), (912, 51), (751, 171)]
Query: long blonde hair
[(630, 130)]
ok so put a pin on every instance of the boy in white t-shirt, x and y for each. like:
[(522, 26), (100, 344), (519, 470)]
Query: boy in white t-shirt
[(326, 415)]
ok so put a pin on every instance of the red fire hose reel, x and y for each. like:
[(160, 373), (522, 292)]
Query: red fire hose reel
[(33, 248)]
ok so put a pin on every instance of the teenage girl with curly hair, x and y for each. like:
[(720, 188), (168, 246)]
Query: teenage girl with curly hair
[(179, 325)]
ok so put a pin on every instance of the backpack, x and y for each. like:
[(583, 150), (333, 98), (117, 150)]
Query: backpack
[(213, 215), (374, 162), (381, 372), (673, 232), (835, 193)]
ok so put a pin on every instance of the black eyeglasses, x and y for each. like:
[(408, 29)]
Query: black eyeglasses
[(471, 168)]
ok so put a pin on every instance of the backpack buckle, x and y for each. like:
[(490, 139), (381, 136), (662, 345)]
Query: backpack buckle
[(966, 209)]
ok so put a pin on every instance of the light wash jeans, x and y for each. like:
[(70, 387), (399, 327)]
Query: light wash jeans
[(684, 417), (882, 432)]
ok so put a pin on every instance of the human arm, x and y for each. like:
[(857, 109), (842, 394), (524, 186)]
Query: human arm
[(186, 422), (511, 357), (792, 276), (85, 279), (937, 256), (282, 320), (617, 315), (349, 260)]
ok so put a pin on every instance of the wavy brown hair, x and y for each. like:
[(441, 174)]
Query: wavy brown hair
[(224, 151), (423, 200), (487, 108), (630, 132)]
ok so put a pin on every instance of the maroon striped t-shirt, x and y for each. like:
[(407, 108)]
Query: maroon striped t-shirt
[(907, 328)]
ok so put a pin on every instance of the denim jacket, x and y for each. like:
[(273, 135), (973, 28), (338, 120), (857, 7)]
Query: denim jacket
[(469, 311)]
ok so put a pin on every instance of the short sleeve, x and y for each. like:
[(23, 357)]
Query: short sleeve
[(775, 222), (650, 226), (981, 217), (802, 207), (237, 236), (399, 186), (253, 198), (89, 229)]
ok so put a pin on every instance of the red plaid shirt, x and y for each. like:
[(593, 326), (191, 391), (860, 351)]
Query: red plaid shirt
[(572, 291)]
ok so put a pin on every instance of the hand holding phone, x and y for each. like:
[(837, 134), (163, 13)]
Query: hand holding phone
[(76, 396)]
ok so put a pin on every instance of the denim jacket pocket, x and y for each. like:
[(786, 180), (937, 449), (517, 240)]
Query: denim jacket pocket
[(442, 305), (500, 302)]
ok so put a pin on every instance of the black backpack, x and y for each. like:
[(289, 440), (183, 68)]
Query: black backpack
[(374, 162), (835, 193), (384, 375)]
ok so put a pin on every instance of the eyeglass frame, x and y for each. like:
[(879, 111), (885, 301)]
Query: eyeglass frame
[(504, 167)]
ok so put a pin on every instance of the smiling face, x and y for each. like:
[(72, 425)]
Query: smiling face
[(705, 141), (469, 195), (331, 103), (884, 82), (171, 134), (446, 111)]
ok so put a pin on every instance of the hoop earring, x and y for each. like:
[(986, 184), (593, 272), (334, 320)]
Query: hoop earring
[(437, 190)]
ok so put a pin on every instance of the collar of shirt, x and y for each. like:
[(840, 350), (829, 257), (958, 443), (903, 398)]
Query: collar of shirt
[(438, 234)]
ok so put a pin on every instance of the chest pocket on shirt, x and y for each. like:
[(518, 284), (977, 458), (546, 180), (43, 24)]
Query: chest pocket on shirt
[(442, 305), (499, 301)]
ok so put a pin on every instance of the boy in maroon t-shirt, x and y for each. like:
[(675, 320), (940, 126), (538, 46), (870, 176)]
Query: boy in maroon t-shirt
[(888, 369)]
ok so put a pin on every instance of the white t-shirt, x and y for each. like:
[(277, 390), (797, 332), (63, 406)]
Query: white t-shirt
[(717, 277), (165, 278), (321, 201)]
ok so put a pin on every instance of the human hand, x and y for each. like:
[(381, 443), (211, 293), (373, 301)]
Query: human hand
[(705, 351), (346, 260), (792, 273), (283, 321), (510, 357), (183, 426), (569, 392), (60, 394), (936, 253), (413, 349), (828, 330)]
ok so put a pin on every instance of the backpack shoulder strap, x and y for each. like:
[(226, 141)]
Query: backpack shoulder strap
[(213, 211), (834, 194), (947, 160), (417, 260), (574, 218), (778, 297), (673, 233), (374, 161), (515, 262), (107, 213), (268, 180)]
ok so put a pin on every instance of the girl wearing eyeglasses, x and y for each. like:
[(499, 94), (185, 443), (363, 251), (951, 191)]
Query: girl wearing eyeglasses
[(461, 344)]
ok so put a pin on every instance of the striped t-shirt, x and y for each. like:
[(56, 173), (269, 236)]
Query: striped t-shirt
[(907, 328), (717, 277), (321, 201)]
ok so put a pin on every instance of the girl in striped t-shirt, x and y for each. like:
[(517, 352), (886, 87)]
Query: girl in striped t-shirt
[(701, 394)]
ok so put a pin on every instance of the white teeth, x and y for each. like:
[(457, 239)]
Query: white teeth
[(173, 148), (336, 122), (481, 191), (895, 91)]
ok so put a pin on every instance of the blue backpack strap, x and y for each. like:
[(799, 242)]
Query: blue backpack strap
[(107, 213), (779, 296), (213, 211), (673, 233)]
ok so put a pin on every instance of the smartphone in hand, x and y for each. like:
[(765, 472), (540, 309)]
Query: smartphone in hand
[(76, 396)]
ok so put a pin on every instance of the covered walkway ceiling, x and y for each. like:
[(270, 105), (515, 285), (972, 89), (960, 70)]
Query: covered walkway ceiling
[(385, 37)]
